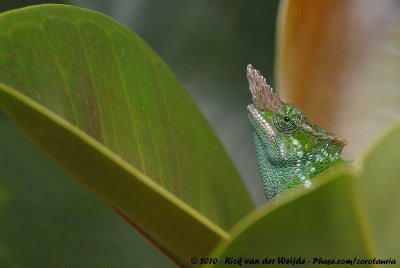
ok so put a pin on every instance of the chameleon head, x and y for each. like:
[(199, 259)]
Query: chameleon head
[(290, 150)]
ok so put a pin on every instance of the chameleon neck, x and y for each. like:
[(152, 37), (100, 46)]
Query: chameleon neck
[(280, 175)]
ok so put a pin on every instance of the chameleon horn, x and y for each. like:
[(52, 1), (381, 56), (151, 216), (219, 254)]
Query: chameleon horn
[(262, 93)]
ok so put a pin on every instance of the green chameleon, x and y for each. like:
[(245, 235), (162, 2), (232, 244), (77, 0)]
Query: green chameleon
[(290, 150)]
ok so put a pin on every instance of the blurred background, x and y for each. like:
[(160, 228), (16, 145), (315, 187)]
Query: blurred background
[(208, 45)]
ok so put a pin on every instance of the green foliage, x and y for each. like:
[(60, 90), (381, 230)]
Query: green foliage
[(101, 103), (377, 183), (47, 219)]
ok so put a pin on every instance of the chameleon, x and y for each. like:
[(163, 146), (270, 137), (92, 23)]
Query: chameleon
[(290, 151)]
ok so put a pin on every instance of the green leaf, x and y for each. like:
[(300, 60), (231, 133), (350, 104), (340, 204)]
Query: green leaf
[(322, 223), (100, 102), (339, 62), (46, 218), (350, 213), (378, 184)]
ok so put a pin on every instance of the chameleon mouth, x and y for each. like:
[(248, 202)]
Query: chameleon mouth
[(255, 115), (262, 122), (340, 140)]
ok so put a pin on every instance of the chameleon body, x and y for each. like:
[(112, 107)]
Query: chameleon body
[(290, 151)]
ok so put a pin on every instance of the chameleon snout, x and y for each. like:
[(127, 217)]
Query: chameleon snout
[(340, 140)]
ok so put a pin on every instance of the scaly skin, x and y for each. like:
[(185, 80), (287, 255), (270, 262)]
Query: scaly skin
[(290, 150)]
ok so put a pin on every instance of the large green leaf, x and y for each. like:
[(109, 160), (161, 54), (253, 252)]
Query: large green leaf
[(48, 220), (320, 224), (339, 61), (101, 103), (378, 184), (350, 213)]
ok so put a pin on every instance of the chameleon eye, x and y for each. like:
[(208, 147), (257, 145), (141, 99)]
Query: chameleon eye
[(287, 118)]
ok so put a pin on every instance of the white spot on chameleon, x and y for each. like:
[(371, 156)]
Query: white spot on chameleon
[(295, 142), (307, 183)]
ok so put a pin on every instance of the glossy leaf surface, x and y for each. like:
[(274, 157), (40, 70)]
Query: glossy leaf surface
[(378, 184), (46, 218), (99, 101), (320, 224)]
